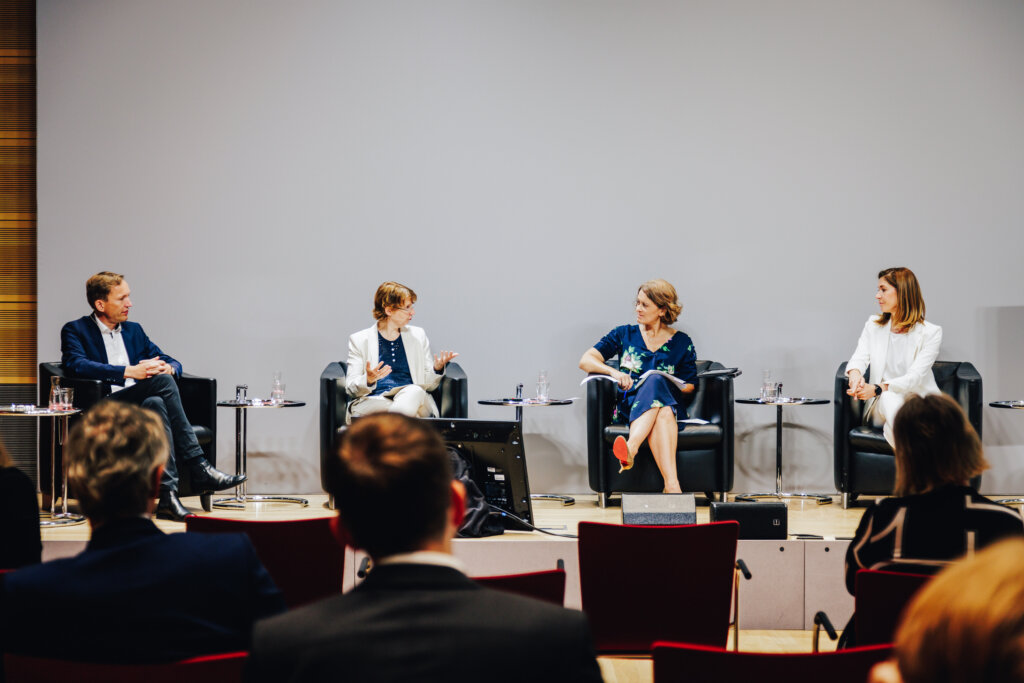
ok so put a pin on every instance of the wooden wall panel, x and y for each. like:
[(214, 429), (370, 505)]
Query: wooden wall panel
[(18, 223)]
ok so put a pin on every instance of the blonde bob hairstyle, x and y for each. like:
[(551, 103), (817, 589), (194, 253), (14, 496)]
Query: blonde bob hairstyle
[(5, 457), (934, 445), (663, 295), (967, 624), (909, 301), (393, 295), (113, 453)]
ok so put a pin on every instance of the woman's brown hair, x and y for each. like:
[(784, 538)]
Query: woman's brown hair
[(909, 301), (967, 624), (663, 295), (393, 295), (935, 445)]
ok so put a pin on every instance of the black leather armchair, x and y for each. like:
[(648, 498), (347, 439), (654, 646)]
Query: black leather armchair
[(704, 455), (451, 397), (864, 462), (198, 398)]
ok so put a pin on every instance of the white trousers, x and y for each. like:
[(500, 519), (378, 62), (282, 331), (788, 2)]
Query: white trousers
[(410, 400), (883, 412)]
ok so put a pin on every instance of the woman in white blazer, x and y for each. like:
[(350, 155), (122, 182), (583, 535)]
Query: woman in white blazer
[(899, 347), (390, 367)]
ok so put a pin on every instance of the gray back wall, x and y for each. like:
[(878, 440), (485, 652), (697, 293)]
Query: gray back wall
[(257, 168)]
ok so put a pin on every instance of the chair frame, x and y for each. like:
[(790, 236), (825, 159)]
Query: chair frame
[(714, 397), (198, 398), (874, 473), (451, 397)]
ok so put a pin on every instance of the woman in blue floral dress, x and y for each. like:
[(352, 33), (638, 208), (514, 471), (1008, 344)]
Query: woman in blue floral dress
[(649, 407)]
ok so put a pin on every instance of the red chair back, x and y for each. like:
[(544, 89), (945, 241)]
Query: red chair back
[(547, 585), (682, 662), (303, 556), (221, 668), (640, 584), (879, 599)]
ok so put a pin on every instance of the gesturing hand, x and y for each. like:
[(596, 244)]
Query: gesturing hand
[(377, 373), (442, 359)]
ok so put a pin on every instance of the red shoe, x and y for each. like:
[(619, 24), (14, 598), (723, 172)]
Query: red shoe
[(621, 450)]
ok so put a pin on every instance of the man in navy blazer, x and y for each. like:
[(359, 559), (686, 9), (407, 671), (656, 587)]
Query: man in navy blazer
[(417, 616), (105, 346), (135, 594)]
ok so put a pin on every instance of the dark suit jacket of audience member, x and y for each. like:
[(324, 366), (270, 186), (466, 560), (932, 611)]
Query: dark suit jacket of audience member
[(922, 533), (138, 595), (415, 622), (83, 353), (20, 544)]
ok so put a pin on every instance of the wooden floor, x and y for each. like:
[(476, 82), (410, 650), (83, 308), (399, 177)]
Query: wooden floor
[(805, 517)]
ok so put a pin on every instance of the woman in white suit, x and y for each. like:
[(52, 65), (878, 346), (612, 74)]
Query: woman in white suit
[(390, 367), (899, 347)]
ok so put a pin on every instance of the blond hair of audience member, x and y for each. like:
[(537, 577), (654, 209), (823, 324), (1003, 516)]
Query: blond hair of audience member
[(966, 625), (116, 454), (935, 445)]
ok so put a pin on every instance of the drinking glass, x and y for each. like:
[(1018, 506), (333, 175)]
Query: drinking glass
[(542, 385)]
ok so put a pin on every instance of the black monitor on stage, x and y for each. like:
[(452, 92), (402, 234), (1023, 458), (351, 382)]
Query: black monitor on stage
[(494, 450)]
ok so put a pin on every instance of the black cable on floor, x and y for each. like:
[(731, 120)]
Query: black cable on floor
[(495, 510)]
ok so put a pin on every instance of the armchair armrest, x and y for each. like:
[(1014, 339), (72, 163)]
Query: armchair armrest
[(333, 402), (969, 394), (454, 392), (719, 407), (88, 392), (199, 399), (843, 411)]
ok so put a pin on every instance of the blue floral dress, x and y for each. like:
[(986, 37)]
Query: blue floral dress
[(676, 357)]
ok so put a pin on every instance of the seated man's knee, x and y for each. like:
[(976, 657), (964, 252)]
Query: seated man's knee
[(154, 403)]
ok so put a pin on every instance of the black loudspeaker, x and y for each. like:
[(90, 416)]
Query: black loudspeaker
[(659, 508), (757, 520)]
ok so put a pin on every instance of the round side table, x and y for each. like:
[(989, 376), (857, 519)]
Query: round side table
[(238, 501), (58, 434), (1011, 405), (821, 498), (519, 403)]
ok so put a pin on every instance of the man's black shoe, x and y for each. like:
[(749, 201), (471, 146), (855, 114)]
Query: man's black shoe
[(206, 478), (170, 507)]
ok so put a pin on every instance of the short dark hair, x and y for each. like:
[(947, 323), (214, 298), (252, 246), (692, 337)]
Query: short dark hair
[(391, 482), (935, 445), (112, 454), (98, 287)]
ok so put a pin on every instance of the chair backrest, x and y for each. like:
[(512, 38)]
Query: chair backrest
[(879, 599), (684, 662), (545, 585), (220, 668), (303, 556), (640, 584)]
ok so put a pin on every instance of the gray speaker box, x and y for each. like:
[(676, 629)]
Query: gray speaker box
[(659, 508), (757, 520)]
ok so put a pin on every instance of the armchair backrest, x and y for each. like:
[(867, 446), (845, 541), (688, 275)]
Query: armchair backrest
[(958, 379)]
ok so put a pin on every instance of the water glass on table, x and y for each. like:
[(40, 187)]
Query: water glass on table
[(277, 389), (542, 385)]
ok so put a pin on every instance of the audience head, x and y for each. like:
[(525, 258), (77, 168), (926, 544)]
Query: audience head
[(663, 295), (392, 485), (97, 288), (391, 295), (967, 624), (909, 301), (115, 454), (935, 445)]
